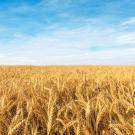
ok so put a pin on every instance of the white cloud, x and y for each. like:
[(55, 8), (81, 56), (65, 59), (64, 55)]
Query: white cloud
[(130, 21), (126, 38), (2, 56), (109, 56), (84, 45), (80, 40), (65, 46), (11, 60)]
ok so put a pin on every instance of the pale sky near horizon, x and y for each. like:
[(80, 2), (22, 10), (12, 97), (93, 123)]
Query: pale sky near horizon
[(42, 32)]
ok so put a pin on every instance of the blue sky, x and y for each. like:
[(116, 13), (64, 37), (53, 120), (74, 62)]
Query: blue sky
[(41, 32)]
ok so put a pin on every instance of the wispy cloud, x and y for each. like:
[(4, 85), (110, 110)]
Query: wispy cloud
[(67, 32), (83, 45), (126, 38), (130, 21)]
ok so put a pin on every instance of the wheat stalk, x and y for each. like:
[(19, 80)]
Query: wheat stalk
[(16, 127)]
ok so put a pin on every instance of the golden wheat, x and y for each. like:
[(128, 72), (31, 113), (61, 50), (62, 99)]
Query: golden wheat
[(67, 100)]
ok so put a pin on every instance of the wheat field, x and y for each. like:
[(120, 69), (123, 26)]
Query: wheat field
[(67, 100)]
